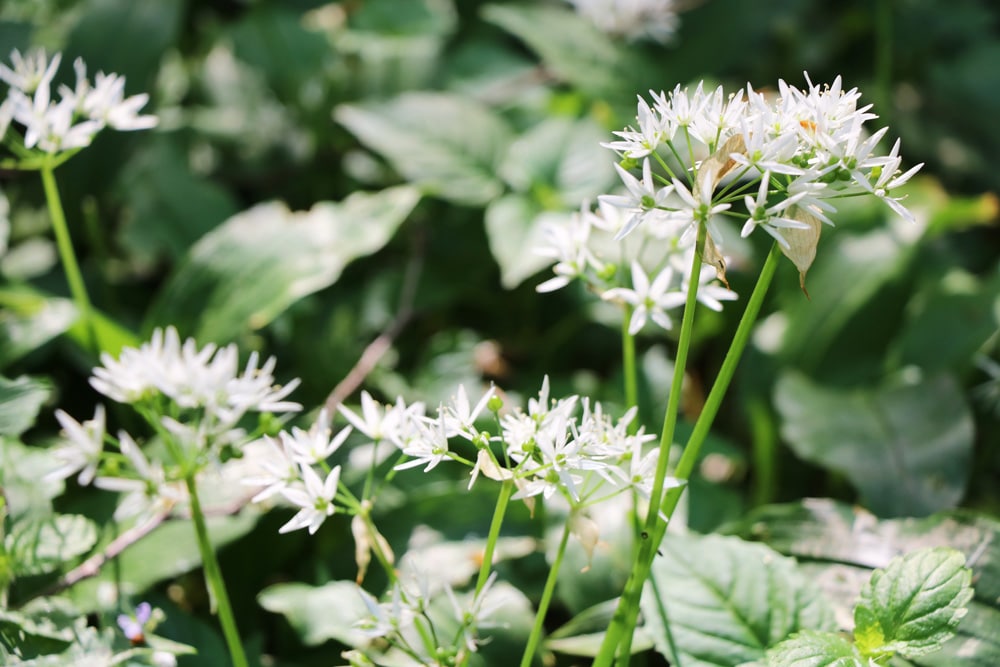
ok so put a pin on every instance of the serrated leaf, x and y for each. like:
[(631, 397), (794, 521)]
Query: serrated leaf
[(906, 448), (815, 649), (914, 604), (255, 265), (20, 401), (727, 601), (318, 613), (447, 144), (840, 544), (42, 544)]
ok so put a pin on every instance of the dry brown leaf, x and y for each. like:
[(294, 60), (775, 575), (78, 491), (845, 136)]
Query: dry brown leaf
[(802, 242)]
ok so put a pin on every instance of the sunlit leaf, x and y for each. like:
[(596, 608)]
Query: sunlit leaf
[(20, 401), (448, 145), (42, 544), (726, 601)]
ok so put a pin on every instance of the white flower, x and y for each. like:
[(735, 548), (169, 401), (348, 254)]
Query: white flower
[(428, 444), (770, 218), (710, 293), (148, 492), (568, 243), (30, 73), (315, 445), (314, 498), (649, 300), (106, 102), (279, 469), (82, 449), (643, 199), (207, 379), (475, 614), (460, 417)]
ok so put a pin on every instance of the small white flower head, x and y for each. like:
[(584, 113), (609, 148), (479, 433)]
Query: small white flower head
[(316, 445), (645, 199), (314, 497), (72, 121), (460, 416), (278, 468), (650, 300), (82, 448), (427, 445), (146, 489), (208, 378)]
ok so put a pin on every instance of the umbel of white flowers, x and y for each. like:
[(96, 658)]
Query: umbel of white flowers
[(72, 121)]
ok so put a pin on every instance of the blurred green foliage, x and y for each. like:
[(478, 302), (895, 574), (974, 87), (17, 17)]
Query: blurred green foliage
[(316, 163)]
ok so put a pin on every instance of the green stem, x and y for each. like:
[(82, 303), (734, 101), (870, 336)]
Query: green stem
[(624, 621), (621, 628), (629, 368), (66, 254), (213, 576), (506, 490), (543, 604)]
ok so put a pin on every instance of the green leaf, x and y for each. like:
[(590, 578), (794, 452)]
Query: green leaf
[(914, 604), (447, 144), (571, 47), (28, 320), (42, 544), (20, 401), (720, 601), (22, 476), (318, 613), (582, 635), (906, 448), (840, 544), (563, 157), (514, 225), (815, 649), (255, 265)]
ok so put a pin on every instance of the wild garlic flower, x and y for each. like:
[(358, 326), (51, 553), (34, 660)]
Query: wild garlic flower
[(77, 116), (314, 497), (81, 450), (798, 152), (207, 380), (633, 19)]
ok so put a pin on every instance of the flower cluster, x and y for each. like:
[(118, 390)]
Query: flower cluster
[(569, 447), (71, 122), (772, 161), (657, 257), (405, 622), (194, 399), (633, 19)]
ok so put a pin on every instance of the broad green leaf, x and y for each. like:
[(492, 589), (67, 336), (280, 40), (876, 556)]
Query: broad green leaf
[(42, 544), (20, 401), (515, 226), (255, 265), (561, 161), (29, 320), (318, 613), (571, 47), (815, 649), (906, 448), (914, 604), (448, 145), (22, 476), (726, 601)]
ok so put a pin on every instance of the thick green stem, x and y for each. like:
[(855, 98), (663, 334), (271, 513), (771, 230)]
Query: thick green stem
[(623, 624), (65, 244), (213, 576), (621, 629), (543, 605)]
